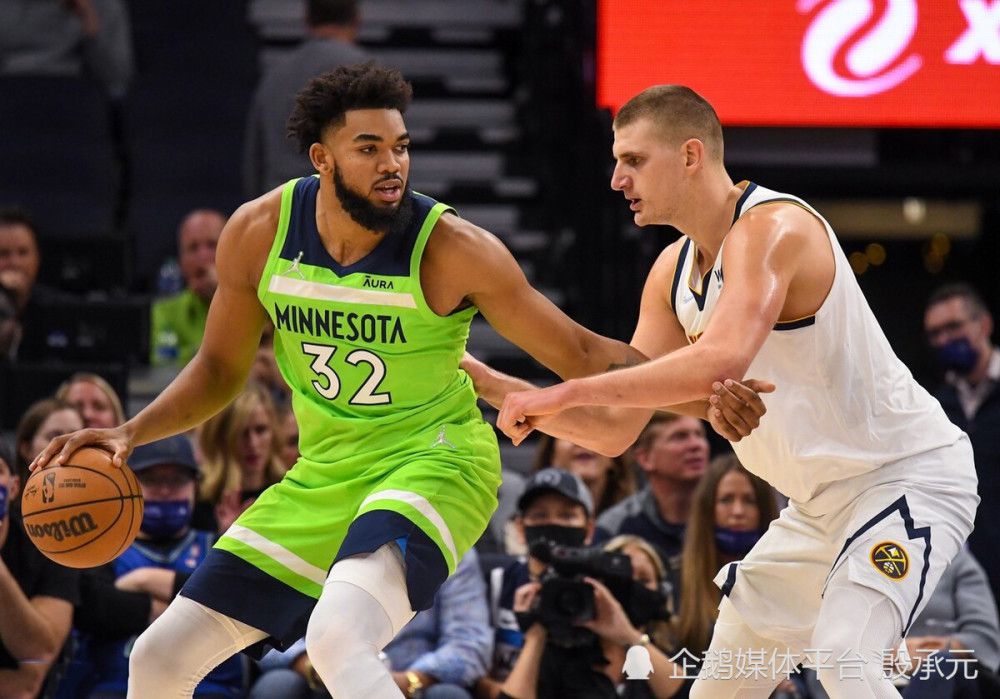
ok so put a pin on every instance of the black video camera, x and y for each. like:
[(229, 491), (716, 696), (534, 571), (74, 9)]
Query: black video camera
[(566, 600)]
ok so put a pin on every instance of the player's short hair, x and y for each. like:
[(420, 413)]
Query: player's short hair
[(679, 112), (327, 98), (960, 290), (331, 12)]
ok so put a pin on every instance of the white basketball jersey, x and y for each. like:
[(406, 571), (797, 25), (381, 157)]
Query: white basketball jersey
[(845, 404)]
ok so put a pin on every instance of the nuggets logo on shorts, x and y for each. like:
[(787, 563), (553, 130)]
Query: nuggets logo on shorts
[(890, 559)]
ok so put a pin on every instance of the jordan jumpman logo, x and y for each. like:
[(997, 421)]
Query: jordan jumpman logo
[(295, 266), (442, 440)]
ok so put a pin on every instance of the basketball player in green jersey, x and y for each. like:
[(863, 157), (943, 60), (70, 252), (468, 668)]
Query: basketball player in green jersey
[(371, 289)]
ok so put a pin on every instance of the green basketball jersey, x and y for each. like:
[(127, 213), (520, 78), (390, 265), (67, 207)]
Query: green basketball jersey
[(366, 358)]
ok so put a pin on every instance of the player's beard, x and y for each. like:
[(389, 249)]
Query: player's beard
[(377, 219)]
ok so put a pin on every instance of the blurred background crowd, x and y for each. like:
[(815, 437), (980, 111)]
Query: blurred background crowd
[(131, 129)]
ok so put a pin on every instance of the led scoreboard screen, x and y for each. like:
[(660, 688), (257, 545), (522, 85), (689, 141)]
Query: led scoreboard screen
[(866, 63)]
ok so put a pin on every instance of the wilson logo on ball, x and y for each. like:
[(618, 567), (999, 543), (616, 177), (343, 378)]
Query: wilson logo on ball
[(61, 529)]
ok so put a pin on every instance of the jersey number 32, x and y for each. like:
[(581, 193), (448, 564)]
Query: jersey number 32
[(327, 383)]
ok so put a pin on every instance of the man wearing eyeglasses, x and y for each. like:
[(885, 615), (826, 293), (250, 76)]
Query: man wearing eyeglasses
[(958, 326)]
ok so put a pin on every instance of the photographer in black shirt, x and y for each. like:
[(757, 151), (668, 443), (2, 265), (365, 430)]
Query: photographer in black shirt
[(573, 610)]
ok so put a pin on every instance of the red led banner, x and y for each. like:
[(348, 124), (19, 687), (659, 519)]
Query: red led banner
[(922, 63)]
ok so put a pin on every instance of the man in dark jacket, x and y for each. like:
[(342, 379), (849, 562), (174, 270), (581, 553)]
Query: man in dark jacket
[(958, 326)]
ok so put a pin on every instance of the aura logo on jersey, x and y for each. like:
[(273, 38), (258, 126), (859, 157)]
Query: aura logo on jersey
[(890, 559), (873, 61)]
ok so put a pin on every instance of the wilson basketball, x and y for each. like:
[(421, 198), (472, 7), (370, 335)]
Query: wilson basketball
[(84, 513)]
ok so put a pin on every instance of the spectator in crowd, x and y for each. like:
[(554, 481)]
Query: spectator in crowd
[(178, 321), (265, 368), (94, 398), (610, 479), (289, 429), (10, 328), (241, 456), (19, 263), (270, 158), (439, 654), (731, 510), (501, 536), (958, 326), (649, 570), (36, 599), (555, 506), (956, 636), (672, 452), (91, 38), (547, 670), (121, 599), (42, 422)]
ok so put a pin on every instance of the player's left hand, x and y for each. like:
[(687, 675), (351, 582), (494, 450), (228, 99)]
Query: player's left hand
[(515, 419), (735, 408)]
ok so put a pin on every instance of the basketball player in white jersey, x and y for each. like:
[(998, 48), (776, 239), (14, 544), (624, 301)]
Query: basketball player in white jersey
[(882, 486)]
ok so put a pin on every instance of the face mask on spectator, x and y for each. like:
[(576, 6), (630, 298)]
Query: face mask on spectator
[(734, 542), (3, 501), (958, 355), (563, 536), (163, 519)]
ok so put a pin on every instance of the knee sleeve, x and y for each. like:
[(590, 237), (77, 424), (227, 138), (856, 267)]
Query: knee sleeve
[(856, 627), (363, 605), (175, 653)]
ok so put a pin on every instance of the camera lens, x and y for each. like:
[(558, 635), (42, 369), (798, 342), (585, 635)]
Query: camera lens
[(571, 602)]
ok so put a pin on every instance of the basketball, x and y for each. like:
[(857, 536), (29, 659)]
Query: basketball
[(84, 513)]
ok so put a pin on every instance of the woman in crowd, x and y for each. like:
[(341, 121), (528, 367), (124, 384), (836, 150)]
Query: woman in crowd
[(732, 509), (94, 398), (241, 456), (609, 480), (41, 423), (289, 436)]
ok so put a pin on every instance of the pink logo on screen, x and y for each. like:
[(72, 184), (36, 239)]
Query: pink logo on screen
[(872, 62)]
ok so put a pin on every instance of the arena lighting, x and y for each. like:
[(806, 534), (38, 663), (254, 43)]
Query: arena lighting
[(866, 63), (902, 219)]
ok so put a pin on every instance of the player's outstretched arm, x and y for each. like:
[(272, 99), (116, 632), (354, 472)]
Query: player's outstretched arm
[(762, 255), (734, 411), (481, 271), (220, 367)]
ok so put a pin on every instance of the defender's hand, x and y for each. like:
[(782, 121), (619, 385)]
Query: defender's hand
[(736, 408), (515, 419), (116, 440)]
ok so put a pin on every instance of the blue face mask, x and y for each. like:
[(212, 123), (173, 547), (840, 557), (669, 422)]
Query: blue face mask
[(958, 355), (3, 501), (165, 519), (736, 543)]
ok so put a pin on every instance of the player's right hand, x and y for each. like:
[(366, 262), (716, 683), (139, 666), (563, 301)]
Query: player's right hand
[(735, 409), (116, 440)]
